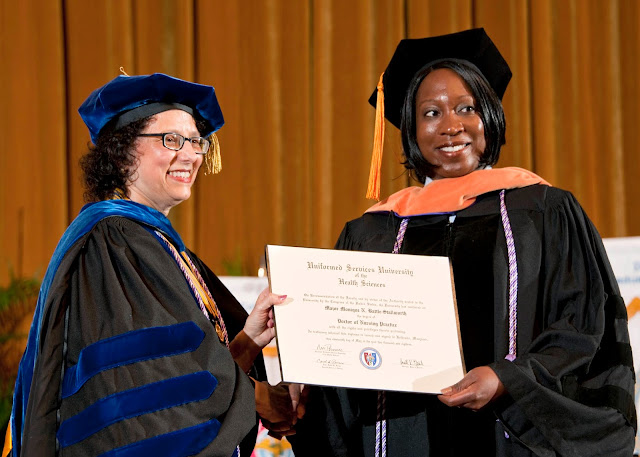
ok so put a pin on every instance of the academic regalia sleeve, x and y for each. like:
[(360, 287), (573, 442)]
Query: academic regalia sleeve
[(128, 364), (572, 387)]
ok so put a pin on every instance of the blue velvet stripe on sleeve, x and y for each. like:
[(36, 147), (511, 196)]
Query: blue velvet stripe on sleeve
[(135, 346), (136, 402), (185, 442)]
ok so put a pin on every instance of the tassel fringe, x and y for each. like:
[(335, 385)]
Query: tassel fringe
[(373, 190), (213, 160)]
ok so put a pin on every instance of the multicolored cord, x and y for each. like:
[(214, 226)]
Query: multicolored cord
[(513, 280), (381, 421), (199, 288)]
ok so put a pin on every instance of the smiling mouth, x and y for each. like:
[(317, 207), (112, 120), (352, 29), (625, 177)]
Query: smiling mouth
[(456, 148), (180, 174)]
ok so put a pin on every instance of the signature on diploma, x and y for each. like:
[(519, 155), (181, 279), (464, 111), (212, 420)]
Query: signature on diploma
[(330, 363), (327, 348), (411, 363)]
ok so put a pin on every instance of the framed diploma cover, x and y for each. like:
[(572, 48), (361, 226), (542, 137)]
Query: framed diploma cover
[(365, 320)]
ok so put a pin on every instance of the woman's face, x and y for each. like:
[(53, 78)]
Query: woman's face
[(163, 178), (449, 130)]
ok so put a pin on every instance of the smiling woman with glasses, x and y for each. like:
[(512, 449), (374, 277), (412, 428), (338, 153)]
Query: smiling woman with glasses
[(137, 348)]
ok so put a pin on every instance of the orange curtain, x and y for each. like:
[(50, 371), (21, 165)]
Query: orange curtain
[(293, 78)]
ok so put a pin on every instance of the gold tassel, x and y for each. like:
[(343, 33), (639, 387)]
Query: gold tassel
[(213, 161), (373, 190), (123, 72)]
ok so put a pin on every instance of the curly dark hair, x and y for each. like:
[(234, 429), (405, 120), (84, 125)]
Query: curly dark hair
[(112, 161), (489, 108)]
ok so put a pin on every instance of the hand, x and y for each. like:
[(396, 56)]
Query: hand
[(478, 388), (299, 395), (275, 408), (258, 330), (259, 326)]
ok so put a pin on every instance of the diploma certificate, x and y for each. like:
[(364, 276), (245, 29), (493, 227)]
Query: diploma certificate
[(365, 320)]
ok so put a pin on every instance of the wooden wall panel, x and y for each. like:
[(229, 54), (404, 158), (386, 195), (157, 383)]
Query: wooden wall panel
[(578, 106), (260, 118), (389, 28), (435, 17), (163, 37), (323, 93), (506, 22), (600, 58), (33, 194), (347, 134), (629, 42), (586, 139), (293, 78), (263, 194), (220, 236), (294, 215), (98, 41), (542, 90), (163, 41)]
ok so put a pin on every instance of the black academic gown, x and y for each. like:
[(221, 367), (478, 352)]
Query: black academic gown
[(570, 389), (117, 279)]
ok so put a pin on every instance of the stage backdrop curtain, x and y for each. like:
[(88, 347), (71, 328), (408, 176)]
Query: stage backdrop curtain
[(293, 78)]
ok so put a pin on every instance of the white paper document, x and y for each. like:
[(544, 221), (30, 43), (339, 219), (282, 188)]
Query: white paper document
[(365, 320)]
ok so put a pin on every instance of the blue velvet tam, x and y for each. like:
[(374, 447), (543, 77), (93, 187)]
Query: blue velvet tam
[(131, 98)]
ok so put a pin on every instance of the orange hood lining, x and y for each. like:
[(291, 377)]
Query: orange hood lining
[(454, 194)]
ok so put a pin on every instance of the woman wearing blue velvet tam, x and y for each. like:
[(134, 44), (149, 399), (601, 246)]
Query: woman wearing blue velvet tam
[(136, 348)]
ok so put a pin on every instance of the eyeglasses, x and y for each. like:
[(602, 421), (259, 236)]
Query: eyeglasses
[(175, 141)]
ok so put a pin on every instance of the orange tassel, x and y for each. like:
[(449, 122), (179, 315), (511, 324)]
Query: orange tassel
[(373, 190), (8, 445)]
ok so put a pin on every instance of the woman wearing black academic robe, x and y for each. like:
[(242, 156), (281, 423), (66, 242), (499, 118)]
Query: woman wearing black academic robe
[(543, 327), (117, 281)]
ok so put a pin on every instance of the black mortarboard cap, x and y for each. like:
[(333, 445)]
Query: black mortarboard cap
[(411, 55), (130, 98)]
